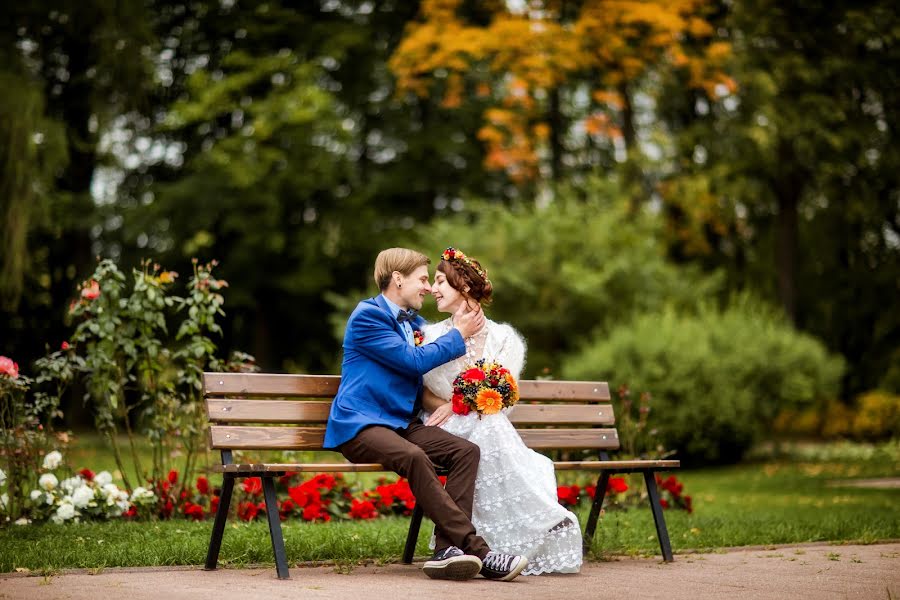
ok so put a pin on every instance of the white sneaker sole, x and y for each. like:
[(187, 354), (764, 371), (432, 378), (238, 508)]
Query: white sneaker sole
[(458, 568)]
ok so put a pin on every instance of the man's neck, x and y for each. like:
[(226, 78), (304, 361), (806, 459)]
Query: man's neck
[(394, 297)]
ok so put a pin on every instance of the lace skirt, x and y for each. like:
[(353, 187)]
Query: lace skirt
[(516, 509)]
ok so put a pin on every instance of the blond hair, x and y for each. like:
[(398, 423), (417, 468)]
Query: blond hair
[(402, 260)]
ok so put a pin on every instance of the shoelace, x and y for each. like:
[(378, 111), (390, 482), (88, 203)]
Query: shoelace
[(498, 562)]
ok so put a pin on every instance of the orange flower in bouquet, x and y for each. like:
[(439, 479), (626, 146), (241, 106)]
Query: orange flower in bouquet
[(485, 387)]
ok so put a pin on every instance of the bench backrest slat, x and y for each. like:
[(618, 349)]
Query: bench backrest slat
[(262, 385), (325, 386), (236, 410), (239, 405), (311, 438)]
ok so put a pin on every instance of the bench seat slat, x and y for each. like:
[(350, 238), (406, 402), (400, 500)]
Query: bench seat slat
[(587, 465), (237, 410), (616, 465), (298, 468)]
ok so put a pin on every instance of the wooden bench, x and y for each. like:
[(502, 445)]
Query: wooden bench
[(289, 412)]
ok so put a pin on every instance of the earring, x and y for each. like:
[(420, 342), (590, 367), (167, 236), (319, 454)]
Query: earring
[(399, 285)]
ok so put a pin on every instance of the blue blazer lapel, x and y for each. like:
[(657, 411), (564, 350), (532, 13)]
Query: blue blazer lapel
[(379, 300)]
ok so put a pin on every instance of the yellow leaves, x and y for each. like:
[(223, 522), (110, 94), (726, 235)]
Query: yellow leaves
[(718, 51), (697, 27), (611, 99), (516, 59), (454, 92), (599, 124)]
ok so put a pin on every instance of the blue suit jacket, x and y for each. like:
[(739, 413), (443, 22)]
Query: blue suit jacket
[(381, 374)]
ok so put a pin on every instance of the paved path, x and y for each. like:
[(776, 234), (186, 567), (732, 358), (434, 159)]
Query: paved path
[(789, 572)]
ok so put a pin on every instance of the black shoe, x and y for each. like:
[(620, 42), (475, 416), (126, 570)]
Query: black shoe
[(502, 567), (452, 563)]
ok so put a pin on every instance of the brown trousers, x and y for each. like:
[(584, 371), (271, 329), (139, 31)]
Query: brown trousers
[(412, 453)]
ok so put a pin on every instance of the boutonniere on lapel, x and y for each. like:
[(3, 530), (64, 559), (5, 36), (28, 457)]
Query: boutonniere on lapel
[(418, 337)]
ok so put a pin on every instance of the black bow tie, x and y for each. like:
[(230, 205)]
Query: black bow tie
[(407, 315)]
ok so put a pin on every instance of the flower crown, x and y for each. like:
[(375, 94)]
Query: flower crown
[(452, 254)]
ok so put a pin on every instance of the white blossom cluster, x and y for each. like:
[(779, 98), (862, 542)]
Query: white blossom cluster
[(76, 498)]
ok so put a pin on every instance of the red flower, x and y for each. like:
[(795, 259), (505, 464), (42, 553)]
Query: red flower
[(568, 495), (591, 491), (253, 486), (64, 346), (194, 511), (131, 512), (458, 405), (386, 493), (247, 511), (311, 512), (87, 474), (167, 509), (663, 503), (203, 485), (287, 507), (474, 375), (324, 480), (616, 485), (173, 477), (8, 367), (300, 497), (91, 291), (213, 505), (362, 510)]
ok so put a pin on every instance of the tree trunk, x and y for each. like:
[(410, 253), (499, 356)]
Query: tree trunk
[(556, 131)]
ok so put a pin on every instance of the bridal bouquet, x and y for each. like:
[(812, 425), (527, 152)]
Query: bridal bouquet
[(485, 387)]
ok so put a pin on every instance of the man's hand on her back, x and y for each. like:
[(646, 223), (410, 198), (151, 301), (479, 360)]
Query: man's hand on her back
[(468, 321)]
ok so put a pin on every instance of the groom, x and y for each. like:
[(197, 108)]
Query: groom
[(374, 416)]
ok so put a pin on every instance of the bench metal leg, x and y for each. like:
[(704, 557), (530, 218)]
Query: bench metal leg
[(599, 496), (281, 567), (661, 532), (412, 537), (215, 542)]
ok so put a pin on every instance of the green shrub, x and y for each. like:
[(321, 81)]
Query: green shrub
[(561, 270), (877, 416), (718, 377)]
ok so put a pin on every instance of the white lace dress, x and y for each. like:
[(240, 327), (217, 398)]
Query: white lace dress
[(516, 508)]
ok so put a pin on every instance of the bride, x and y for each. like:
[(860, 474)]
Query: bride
[(516, 509)]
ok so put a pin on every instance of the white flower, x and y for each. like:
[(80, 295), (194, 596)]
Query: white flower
[(2, 477), (4, 500), (22, 521), (35, 494), (142, 496), (72, 483), (102, 478), (82, 496), (63, 513), (48, 481), (52, 460)]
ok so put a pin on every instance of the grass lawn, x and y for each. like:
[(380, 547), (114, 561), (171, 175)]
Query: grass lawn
[(771, 502)]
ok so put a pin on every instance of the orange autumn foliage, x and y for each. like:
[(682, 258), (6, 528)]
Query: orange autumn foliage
[(516, 58)]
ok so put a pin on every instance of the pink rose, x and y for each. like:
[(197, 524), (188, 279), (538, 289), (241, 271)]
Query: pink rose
[(91, 291), (8, 367)]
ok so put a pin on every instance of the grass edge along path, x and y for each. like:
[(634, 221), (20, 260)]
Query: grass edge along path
[(744, 505)]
